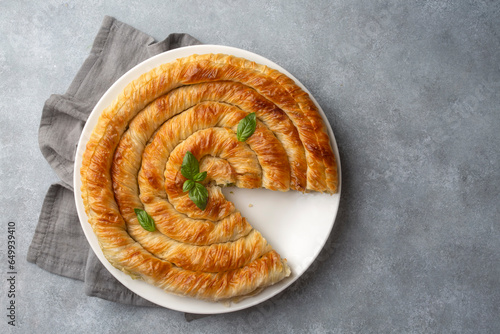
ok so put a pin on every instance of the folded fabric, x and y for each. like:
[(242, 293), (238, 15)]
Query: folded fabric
[(59, 245)]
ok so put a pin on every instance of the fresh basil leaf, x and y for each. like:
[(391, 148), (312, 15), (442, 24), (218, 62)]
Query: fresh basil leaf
[(200, 177), (246, 127), (190, 166), (145, 220), (199, 195), (188, 185)]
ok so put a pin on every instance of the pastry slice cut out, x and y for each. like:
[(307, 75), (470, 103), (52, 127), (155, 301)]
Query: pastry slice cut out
[(133, 161)]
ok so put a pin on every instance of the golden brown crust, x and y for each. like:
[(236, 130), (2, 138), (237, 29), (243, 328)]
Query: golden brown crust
[(194, 104)]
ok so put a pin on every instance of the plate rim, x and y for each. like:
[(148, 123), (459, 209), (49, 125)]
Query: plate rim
[(148, 65)]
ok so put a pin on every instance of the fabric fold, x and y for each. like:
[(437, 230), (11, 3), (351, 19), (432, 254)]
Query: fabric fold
[(59, 245)]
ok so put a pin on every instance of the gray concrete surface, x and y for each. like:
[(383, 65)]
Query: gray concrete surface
[(412, 93)]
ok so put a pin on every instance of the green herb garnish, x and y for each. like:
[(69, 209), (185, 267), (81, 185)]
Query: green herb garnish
[(190, 169), (188, 185), (199, 195), (246, 127), (190, 166), (200, 177), (145, 220)]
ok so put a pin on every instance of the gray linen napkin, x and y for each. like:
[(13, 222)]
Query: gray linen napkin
[(59, 245)]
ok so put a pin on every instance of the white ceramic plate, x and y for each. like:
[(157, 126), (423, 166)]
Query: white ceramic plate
[(297, 225)]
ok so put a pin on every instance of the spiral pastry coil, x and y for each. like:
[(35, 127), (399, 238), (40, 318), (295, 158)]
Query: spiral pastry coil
[(134, 156)]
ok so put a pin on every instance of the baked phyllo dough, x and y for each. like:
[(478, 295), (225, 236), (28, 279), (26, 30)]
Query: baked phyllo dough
[(134, 157)]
